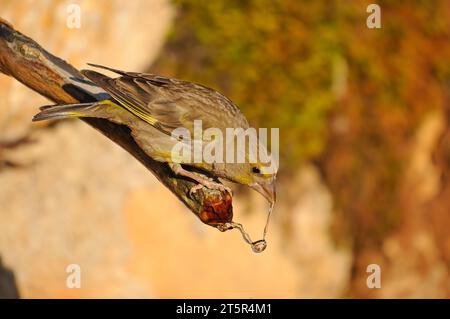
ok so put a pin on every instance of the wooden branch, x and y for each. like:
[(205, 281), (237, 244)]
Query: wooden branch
[(52, 77)]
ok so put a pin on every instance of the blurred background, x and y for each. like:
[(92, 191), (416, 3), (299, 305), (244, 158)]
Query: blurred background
[(364, 118)]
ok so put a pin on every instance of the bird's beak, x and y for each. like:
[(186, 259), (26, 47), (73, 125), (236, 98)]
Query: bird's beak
[(267, 189)]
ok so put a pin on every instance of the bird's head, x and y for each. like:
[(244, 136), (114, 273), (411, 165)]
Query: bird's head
[(255, 167), (259, 177), (263, 182)]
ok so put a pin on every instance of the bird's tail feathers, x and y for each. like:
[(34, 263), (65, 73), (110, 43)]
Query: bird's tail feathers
[(65, 111)]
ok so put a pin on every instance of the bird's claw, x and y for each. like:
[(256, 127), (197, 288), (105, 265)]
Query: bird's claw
[(194, 189), (209, 183)]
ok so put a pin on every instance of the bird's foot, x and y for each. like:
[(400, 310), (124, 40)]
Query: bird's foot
[(202, 180), (209, 183)]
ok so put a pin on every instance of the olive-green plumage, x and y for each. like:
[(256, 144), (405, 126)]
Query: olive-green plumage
[(153, 106)]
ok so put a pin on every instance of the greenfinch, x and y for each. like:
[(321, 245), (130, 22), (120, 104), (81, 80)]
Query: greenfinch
[(154, 107)]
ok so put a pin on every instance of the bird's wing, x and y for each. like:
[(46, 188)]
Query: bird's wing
[(167, 103)]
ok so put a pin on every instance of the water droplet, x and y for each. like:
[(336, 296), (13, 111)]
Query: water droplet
[(259, 246)]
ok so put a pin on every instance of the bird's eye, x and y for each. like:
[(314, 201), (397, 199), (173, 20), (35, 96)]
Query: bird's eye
[(256, 170)]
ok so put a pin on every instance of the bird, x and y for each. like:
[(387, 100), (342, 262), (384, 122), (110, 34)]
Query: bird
[(153, 107)]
